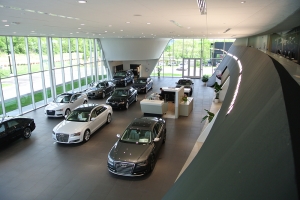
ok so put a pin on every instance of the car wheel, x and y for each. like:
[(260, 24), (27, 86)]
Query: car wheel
[(127, 105), (27, 133), (103, 95), (85, 102), (108, 118), (136, 99), (125, 83), (68, 111), (86, 136)]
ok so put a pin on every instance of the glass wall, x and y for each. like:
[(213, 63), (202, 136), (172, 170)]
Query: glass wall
[(172, 64), (31, 75)]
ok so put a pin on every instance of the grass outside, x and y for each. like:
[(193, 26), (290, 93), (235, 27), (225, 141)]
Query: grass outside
[(12, 104)]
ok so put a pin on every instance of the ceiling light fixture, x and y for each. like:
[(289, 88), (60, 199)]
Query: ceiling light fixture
[(177, 24), (82, 1), (243, 1), (148, 23), (202, 7), (127, 22), (227, 30), (6, 25), (4, 20)]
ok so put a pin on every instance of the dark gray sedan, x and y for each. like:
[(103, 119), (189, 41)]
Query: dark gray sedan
[(135, 153), (143, 84), (100, 89)]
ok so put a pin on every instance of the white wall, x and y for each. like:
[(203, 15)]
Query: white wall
[(259, 42), (125, 49)]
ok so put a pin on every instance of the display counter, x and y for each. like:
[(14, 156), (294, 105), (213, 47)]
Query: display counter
[(153, 106), (185, 108)]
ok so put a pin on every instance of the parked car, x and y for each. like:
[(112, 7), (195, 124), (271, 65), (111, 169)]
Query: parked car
[(13, 127), (100, 89), (136, 151), (64, 103), (123, 77), (180, 68), (82, 123), (188, 85), (122, 98), (143, 84)]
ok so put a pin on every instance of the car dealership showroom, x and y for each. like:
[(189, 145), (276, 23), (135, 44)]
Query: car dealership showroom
[(149, 99)]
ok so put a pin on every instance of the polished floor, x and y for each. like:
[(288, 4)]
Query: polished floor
[(39, 168)]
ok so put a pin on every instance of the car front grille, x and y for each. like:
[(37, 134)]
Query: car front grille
[(50, 112), (61, 137), (124, 167)]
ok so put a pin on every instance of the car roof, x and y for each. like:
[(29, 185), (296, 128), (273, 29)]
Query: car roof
[(125, 88), (87, 107), (143, 122), (185, 79), (6, 118)]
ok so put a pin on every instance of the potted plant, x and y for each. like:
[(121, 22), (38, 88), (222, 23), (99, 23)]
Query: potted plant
[(159, 68), (184, 98), (217, 89), (205, 79), (208, 116)]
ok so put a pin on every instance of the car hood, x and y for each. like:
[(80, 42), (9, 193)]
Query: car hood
[(116, 99), (129, 152), (139, 85), (53, 105), (68, 127)]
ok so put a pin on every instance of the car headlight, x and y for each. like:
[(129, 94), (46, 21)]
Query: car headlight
[(99, 92), (110, 160), (59, 110), (122, 79), (143, 163), (75, 134), (122, 102)]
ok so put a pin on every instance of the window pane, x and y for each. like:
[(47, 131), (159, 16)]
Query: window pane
[(5, 57), (25, 93), (34, 56), (45, 53), (20, 55), (56, 52), (10, 96), (38, 89)]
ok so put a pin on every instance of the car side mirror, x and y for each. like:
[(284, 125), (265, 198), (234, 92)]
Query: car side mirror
[(118, 135), (156, 139), (92, 119)]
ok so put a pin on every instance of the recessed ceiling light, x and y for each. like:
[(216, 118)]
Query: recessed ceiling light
[(79, 28), (243, 1), (109, 25), (105, 31), (113, 32), (32, 31), (77, 32), (148, 23), (82, 1), (6, 25), (137, 15), (128, 22), (71, 33), (189, 27), (4, 20), (99, 34), (121, 30), (82, 24), (14, 32)]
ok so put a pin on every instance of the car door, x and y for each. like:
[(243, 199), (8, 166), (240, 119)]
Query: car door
[(77, 100), (159, 130), (131, 96), (13, 128), (94, 121), (107, 89), (3, 132)]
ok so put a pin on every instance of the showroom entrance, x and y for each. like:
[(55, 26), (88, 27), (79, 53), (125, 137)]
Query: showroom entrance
[(191, 67)]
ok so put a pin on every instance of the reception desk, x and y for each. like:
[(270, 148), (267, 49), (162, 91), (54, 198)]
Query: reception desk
[(154, 106)]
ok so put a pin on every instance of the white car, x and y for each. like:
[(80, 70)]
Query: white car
[(65, 103), (82, 123)]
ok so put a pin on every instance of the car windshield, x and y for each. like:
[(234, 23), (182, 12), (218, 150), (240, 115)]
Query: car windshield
[(141, 81), (98, 85), (120, 74), (120, 93), (78, 116), (184, 82), (136, 136), (63, 99)]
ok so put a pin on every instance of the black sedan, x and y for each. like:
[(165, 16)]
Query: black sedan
[(13, 127), (100, 89), (123, 77), (135, 153), (122, 98), (143, 84), (188, 85)]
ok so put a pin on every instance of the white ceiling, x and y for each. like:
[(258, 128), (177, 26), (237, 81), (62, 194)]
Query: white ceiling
[(98, 16)]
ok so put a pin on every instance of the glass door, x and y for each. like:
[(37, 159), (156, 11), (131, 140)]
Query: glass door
[(191, 68)]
